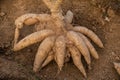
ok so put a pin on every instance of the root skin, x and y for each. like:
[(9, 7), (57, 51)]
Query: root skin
[(60, 47), (79, 43), (90, 34), (76, 56), (16, 36), (32, 38), (117, 67), (48, 59), (30, 21), (90, 46), (42, 53)]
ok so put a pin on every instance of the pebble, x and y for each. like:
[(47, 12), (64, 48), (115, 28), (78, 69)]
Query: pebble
[(29, 50), (117, 58), (107, 19), (45, 76), (106, 37), (94, 28), (113, 53), (111, 30), (2, 13)]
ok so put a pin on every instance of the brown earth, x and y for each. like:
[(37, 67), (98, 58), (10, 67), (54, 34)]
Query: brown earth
[(101, 16)]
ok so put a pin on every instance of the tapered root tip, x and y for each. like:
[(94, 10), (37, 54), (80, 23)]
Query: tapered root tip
[(58, 71), (97, 57), (14, 49), (117, 67), (85, 75), (101, 46), (35, 70), (99, 43)]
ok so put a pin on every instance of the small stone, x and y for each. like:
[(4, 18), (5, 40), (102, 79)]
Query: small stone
[(117, 58), (113, 53), (2, 14), (111, 30), (41, 76), (29, 50), (45, 76), (107, 19)]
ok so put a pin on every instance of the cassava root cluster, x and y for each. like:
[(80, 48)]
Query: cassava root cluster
[(59, 39)]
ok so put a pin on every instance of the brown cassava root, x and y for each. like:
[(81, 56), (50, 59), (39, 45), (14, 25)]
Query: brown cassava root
[(60, 47), (43, 50), (76, 56), (32, 38), (49, 58), (90, 46), (117, 67), (79, 43), (60, 40), (90, 34)]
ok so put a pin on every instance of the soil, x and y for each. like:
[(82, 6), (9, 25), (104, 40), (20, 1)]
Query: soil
[(101, 16)]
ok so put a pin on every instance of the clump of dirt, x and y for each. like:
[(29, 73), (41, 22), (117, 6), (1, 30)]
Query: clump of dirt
[(10, 70), (101, 16)]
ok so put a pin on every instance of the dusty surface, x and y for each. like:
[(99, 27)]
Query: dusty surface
[(101, 16)]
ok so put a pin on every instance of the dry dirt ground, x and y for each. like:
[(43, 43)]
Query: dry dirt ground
[(101, 16)]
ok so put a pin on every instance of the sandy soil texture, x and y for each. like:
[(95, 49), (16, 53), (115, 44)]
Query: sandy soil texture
[(101, 16)]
